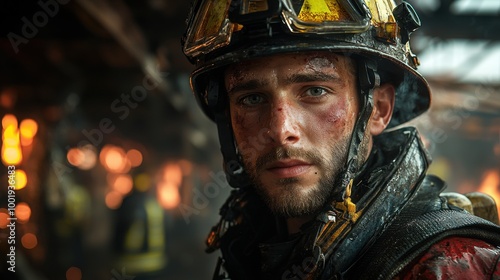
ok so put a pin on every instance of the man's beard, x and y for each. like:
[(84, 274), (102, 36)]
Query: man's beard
[(290, 199)]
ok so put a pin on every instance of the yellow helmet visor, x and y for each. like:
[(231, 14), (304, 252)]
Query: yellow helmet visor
[(326, 16), (210, 28), (213, 22)]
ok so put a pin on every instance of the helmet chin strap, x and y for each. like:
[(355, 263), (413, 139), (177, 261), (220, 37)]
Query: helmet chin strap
[(368, 80), (217, 100), (320, 243)]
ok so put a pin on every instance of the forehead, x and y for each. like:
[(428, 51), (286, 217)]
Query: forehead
[(292, 62)]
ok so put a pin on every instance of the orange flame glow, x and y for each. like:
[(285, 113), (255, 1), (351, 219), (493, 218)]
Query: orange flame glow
[(172, 174), (168, 195), (11, 147), (168, 186), (490, 186)]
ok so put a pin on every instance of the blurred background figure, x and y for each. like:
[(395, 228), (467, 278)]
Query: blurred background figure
[(118, 173)]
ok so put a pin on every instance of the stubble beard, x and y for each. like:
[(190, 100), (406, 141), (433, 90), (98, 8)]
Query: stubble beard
[(288, 198)]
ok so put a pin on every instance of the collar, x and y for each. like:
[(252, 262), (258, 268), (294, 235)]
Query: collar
[(345, 229)]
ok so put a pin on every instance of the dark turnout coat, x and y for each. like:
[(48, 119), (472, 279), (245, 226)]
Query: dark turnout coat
[(401, 229)]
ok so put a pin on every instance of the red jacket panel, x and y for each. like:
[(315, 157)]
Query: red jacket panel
[(456, 258)]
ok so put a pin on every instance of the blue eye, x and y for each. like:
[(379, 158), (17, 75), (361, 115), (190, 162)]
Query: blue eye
[(316, 91), (252, 99)]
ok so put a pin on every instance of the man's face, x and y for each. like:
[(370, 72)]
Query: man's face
[(292, 116)]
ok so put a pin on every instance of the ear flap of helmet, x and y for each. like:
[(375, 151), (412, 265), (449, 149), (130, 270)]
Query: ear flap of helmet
[(218, 103)]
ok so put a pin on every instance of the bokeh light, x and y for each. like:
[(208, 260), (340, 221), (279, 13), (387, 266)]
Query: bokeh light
[(7, 98), (168, 195), (75, 156), (135, 157), (114, 159), (123, 183), (172, 174), (11, 136), (73, 273), (3, 218), (84, 158), (23, 212), (9, 120), (29, 241), (21, 179), (142, 182), (11, 147), (28, 128), (113, 199), (12, 155)]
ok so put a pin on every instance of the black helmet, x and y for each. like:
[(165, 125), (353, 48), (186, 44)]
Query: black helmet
[(223, 32)]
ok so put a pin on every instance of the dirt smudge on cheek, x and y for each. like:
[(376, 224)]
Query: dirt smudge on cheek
[(336, 115), (335, 118), (239, 122)]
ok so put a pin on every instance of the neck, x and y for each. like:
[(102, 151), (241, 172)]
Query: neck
[(294, 224)]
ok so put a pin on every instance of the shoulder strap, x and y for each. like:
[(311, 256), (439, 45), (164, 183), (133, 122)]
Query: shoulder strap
[(389, 255)]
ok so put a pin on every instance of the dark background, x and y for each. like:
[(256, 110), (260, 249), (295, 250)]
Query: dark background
[(80, 71)]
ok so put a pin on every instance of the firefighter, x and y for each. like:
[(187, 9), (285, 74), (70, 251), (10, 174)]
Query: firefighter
[(309, 98)]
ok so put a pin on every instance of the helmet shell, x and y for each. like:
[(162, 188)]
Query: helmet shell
[(383, 41)]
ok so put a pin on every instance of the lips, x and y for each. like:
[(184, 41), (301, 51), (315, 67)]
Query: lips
[(288, 168)]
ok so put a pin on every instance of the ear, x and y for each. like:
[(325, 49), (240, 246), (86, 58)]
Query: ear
[(383, 105)]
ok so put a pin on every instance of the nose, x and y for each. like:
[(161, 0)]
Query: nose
[(284, 122)]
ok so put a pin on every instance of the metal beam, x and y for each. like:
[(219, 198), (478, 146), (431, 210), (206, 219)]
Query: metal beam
[(449, 26)]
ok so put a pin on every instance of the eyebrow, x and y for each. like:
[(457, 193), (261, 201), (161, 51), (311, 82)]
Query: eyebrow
[(247, 85), (313, 77), (295, 78)]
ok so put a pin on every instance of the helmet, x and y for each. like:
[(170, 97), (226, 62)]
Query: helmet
[(223, 32)]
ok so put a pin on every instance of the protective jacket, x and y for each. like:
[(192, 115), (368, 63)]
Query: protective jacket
[(394, 225)]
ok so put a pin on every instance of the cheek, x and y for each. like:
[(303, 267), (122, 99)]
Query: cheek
[(335, 119), (336, 115), (243, 128), (239, 125), (237, 120)]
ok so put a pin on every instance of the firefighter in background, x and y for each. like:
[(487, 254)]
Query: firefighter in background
[(306, 96), (139, 234)]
